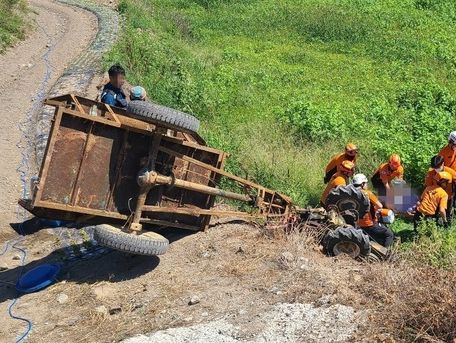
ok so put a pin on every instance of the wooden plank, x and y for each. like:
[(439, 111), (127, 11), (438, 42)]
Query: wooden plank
[(165, 223), (48, 154), (78, 209), (211, 168), (197, 211), (77, 103)]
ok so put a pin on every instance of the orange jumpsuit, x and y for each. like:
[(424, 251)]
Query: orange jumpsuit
[(335, 162), (338, 179), (430, 179), (449, 157)]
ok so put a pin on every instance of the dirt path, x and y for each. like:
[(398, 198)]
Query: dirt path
[(28, 71)]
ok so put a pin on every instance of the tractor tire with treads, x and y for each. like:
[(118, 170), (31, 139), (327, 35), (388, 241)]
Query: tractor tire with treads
[(147, 243), (348, 240), (351, 202), (153, 113)]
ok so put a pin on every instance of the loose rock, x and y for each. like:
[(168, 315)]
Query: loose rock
[(62, 298), (194, 300)]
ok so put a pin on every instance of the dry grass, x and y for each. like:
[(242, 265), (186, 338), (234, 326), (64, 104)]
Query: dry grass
[(234, 267)]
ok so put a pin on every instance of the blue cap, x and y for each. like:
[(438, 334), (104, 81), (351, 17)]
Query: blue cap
[(137, 92)]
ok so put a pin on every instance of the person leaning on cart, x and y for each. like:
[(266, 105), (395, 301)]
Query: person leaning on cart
[(112, 92)]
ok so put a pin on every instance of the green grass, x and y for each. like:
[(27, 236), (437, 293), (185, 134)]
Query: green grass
[(12, 23), (283, 85)]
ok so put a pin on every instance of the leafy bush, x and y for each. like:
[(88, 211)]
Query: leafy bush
[(283, 85)]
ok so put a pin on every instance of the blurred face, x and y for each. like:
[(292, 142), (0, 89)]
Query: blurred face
[(443, 183), (351, 153), (393, 166), (117, 80), (439, 168), (452, 145)]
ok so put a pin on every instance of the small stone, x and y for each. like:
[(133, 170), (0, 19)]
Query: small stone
[(204, 314), (194, 300), (101, 309), (62, 298), (206, 254), (287, 256), (115, 310), (275, 290), (29, 65), (16, 257)]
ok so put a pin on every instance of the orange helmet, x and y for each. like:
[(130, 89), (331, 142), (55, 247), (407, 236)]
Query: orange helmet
[(346, 166), (351, 147), (394, 161), (443, 176)]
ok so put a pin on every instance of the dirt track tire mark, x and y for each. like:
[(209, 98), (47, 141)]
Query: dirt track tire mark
[(78, 76), (64, 30)]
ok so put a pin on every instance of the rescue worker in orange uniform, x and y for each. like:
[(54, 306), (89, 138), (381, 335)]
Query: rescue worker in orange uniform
[(434, 201), (344, 171), (369, 223), (448, 152), (351, 150), (386, 173), (437, 166)]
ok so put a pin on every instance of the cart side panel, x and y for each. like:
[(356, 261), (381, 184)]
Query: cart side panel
[(66, 158), (98, 167), (133, 159)]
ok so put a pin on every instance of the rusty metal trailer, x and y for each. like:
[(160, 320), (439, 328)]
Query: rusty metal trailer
[(106, 165)]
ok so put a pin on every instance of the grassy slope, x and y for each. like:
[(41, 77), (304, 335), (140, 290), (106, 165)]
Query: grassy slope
[(282, 85), (12, 25)]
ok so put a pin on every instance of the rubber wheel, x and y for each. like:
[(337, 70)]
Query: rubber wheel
[(347, 240), (153, 113), (147, 243), (351, 202)]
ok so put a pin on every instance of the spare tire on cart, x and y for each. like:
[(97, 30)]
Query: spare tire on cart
[(145, 243), (153, 113), (347, 240)]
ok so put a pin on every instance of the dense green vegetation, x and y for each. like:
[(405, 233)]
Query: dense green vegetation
[(283, 85), (12, 25)]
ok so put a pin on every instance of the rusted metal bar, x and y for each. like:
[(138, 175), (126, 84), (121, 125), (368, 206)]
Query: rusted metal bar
[(165, 223), (153, 151), (155, 178)]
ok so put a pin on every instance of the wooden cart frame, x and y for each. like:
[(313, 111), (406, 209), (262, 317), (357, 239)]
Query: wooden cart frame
[(101, 165)]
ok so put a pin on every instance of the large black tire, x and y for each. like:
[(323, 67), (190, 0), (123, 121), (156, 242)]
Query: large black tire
[(351, 202), (147, 243), (347, 239), (153, 113)]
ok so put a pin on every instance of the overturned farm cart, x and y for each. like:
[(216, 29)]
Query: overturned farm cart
[(125, 171), (145, 165)]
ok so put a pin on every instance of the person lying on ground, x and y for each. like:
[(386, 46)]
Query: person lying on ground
[(369, 223), (112, 92), (434, 201), (344, 171), (350, 153), (387, 172)]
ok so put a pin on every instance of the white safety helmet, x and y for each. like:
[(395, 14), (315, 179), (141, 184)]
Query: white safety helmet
[(359, 179), (452, 137)]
